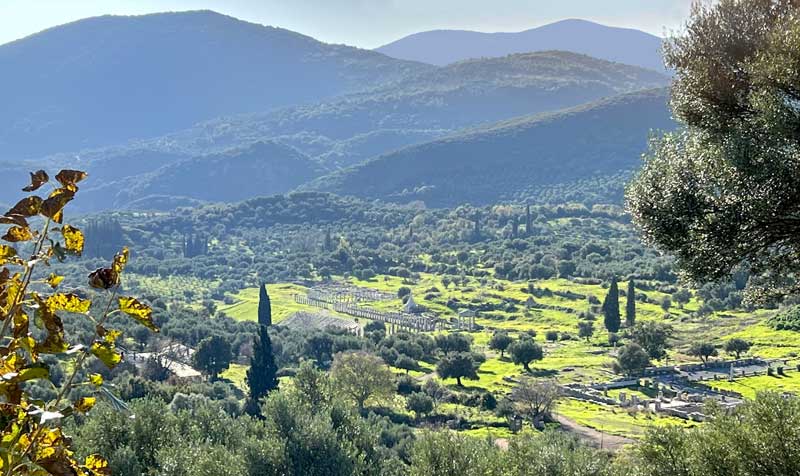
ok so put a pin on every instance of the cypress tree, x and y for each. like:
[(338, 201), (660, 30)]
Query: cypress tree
[(630, 305), (264, 307), (262, 376), (611, 308), (528, 220)]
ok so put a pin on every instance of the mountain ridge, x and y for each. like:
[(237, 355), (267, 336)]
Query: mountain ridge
[(443, 46)]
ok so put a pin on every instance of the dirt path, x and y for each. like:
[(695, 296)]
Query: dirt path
[(592, 436)]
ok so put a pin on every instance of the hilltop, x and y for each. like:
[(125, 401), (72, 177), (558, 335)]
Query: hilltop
[(623, 45)]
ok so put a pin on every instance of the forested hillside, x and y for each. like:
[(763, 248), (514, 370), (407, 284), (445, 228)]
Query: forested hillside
[(573, 155), (106, 80), (442, 47)]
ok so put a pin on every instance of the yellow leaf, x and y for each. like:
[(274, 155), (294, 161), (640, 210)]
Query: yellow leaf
[(98, 465), (69, 303), (84, 404), (38, 179), (73, 239), (137, 310), (6, 253), (106, 353), (96, 379), (111, 335), (16, 234), (58, 199), (120, 260), (54, 280)]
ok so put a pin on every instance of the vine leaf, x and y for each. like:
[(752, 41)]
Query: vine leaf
[(54, 205), (68, 178), (73, 239), (69, 303), (106, 353), (27, 207), (15, 234), (54, 280), (141, 312), (38, 179), (84, 404)]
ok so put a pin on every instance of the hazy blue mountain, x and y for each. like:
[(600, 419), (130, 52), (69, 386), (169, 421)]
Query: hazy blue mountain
[(264, 168), (105, 80), (347, 130), (581, 153), (623, 45)]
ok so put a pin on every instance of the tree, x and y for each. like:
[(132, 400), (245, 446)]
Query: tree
[(724, 191), (551, 336), (632, 359), (703, 350), (611, 308), (406, 363), (37, 238), (652, 337), (456, 342), (630, 304), (500, 341), (313, 385), (419, 403), (535, 398), (585, 329), (682, 296), (666, 303), (737, 347), (213, 355), (524, 351), (360, 375), (262, 376), (458, 365), (264, 307)]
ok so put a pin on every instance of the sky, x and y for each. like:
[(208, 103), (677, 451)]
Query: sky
[(362, 23)]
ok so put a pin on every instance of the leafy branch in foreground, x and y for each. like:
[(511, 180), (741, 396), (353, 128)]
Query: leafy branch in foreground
[(32, 441)]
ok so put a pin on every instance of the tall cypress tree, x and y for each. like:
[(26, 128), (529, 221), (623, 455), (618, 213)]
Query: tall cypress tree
[(630, 305), (264, 307), (611, 308), (262, 376)]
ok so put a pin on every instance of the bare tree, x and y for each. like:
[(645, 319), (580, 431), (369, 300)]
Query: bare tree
[(535, 399)]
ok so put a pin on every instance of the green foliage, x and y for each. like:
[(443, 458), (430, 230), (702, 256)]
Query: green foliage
[(723, 193), (524, 351), (361, 376), (786, 319), (760, 438), (458, 365), (630, 304), (653, 337), (419, 403), (262, 375), (213, 355), (703, 350), (264, 307), (500, 341), (632, 359), (611, 308), (737, 347)]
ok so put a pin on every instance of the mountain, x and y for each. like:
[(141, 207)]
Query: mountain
[(441, 47), (264, 168), (106, 80), (580, 154), (347, 130)]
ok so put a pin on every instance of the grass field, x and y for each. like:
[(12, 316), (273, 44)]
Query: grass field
[(750, 386), (614, 420)]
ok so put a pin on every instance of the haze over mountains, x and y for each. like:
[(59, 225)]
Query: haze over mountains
[(173, 109), (105, 80), (622, 45)]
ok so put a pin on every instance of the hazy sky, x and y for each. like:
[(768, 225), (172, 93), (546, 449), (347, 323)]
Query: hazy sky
[(364, 23)]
